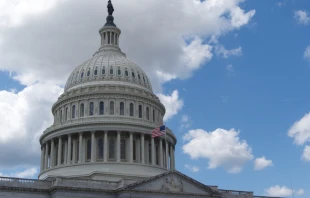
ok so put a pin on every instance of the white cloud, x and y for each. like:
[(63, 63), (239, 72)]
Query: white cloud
[(192, 168), (307, 53), (28, 173), (300, 130), (172, 103), (261, 163), (24, 116), (302, 17), (306, 153), (281, 191), (222, 148), (186, 121), (54, 42), (223, 52), (230, 70)]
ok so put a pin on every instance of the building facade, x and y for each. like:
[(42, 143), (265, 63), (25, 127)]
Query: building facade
[(100, 143)]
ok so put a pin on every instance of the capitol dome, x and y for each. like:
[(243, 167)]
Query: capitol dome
[(103, 121)]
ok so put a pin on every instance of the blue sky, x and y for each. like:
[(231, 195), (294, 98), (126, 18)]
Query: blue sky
[(259, 91)]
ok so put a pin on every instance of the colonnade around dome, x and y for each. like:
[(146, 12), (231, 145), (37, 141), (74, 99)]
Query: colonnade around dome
[(107, 147)]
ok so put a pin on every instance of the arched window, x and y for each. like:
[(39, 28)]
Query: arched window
[(101, 108), (126, 73), (91, 109), (111, 71), (133, 75), (66, 114), (77, 151), (153, 115), (73, 111), (111, 148), (111, 108), (123, 149), (96, 72), (131, 109), (88, 150), (82, 110), (88, 73), (103, 71), (60, 116), (139, 76), (82, 74), (122, 108), (140, 111), (134, 150), (143, 79), (100, 148), (119, 71), (150, 152), (147, 113)]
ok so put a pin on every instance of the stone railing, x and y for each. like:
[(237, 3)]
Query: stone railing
[(237, 193), (92, 184), (24, 183)]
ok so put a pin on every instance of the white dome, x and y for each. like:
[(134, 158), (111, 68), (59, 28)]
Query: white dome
[(108, 67)]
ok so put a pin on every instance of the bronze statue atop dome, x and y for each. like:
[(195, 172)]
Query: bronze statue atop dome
[(110, 8)]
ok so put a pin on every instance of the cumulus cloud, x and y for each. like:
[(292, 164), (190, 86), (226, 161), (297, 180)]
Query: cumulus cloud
[(300, 130), (222, 148), (53, 44), (302, 17), (307, 53), (261, 163), (186, 121), (28, 173), (192, 168), (282, 191), (306, 153), (223, 52), (24, 116), (172, 103)]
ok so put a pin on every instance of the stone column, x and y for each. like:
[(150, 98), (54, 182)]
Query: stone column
[(131, 147), (59, 151), (46, 156), (42, 159), (142, 149), (171, 157), (69, 150), (66, 153), (167, 154), (52, 158), (80, 147), (74, 152), (118, 146), (93, 147), (153, 152), (105, 145), (110, 38), (161, 159)]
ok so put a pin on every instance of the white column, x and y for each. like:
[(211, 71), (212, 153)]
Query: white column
[(80, 147), (161, 159), (42, 159), (52, 157), (46, 156), (171, 157), (130, 147), (66, 153), (69, 150), (167, 154), (93, 147), (59, 151), (111, 40), (153, 151), (142, 149), (118, 147), (74, 152), (105, 145)]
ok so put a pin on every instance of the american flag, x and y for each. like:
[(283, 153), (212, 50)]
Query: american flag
[(159, 131)]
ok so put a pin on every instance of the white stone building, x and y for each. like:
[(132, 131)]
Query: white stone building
[(100, 143)]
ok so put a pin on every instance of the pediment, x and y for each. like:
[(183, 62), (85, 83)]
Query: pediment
[(173, 182)]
